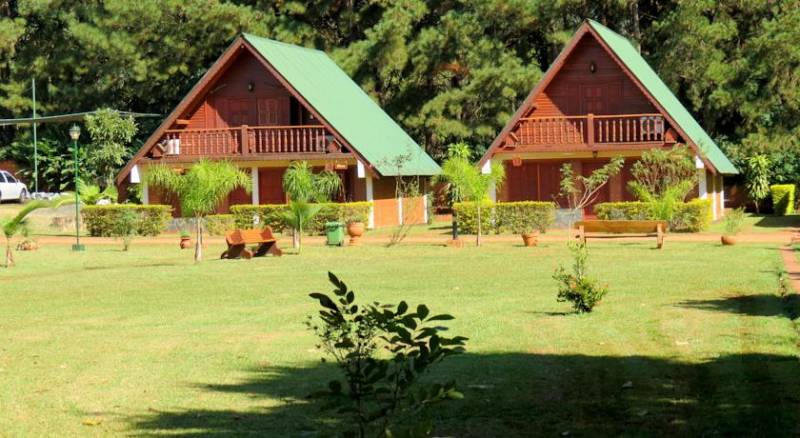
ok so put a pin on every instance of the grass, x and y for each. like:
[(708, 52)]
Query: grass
[(691, 340)]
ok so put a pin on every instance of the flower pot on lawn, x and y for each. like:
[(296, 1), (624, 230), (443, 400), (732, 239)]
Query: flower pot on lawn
[(728, 240), (530, 239), (355, 230), (186, 242)]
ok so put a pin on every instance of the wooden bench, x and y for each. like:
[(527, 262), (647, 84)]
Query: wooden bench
[(616, 227), (265, 243)]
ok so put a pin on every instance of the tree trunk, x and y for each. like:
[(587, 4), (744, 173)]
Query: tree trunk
[(9, 254), (198, 245), (299, 238), (478, 236), (295, 239)]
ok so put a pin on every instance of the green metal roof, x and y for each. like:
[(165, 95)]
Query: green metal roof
[(346, 107), (662, 94)]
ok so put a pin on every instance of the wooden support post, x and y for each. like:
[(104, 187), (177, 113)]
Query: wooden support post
[(245, 141), (590, 129)]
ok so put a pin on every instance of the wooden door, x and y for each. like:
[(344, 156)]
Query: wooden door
[(274, 111), (592, 99), (270, 186), (240, 112), (550, 182)]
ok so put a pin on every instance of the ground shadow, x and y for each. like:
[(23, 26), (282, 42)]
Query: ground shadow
[(778, 221), (530, 394), (753, 305)]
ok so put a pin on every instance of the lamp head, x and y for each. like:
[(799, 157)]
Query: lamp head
[(75, 132)]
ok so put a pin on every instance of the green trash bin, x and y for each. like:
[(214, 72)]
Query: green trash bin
[(335, 233)]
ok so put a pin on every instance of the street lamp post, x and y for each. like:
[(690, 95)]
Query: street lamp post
[(74, 134)]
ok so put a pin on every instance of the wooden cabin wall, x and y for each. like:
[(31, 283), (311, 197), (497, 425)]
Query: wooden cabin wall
[(230, 103), (577, 91)]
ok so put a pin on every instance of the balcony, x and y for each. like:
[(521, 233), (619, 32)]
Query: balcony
[(590, 130), (246, 140)]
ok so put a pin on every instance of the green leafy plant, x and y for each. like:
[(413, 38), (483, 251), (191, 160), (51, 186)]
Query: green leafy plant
[(734, 221), (525, 217), (91, 194), (298, 216), (782, 198), (382, 351), (466, 182), (757, 175), (691, 216), (18, 223), (658, 171), (100, 219), (303, 187), (125, 227), (579, 190), (111, 135), (200, 189), (577, 287)]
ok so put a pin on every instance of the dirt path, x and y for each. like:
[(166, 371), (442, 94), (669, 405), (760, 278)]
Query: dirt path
[(792, 267)]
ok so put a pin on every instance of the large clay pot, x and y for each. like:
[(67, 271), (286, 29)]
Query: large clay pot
[(355, 230), (530, 239), (186, 242), (728, 240)]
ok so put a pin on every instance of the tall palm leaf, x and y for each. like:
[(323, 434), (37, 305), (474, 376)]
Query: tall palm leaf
[(16, 224), (298, 215), (201, 189)]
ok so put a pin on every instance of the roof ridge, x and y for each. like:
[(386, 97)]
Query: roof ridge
[(293, 46)]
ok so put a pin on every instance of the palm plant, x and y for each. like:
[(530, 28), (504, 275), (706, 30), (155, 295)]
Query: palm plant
[(303, 187), (467, 183), (18, 223), (200, 189), (91, 194)]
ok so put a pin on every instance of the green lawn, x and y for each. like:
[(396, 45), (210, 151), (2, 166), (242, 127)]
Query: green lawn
[(692, 340)]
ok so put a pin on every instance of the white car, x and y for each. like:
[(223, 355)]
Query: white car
[(11, 189)]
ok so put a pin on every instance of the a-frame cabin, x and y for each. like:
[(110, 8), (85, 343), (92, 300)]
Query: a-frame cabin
[(599, 99), (264, 104)]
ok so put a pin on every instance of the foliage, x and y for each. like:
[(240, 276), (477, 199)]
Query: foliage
[(17, 224), (577, 287), (382, 352), (734, 221), (297, 216), (659, 171), (783, 196), (468, 183), (200, 189), (666, 204), (111, 136), (219, 224), (272, 215), (126, 226), (302, 184), (580, 190), (692, 216), (515, 217), (91, 194), (102, 220), (757, 178), (56, 166)]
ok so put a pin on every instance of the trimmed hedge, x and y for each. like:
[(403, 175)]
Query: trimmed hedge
[(692, 216), (516, 217), (272, 215), (219, 224), (782, 198), (100, 220)]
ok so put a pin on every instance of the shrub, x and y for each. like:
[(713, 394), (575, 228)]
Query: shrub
[(125, 226), (467, 216), (576, 287), (525, 217), (273, 215), (382, 351), (734, 221), (691, 216), (100, 219), (219, 224), (782, 198)]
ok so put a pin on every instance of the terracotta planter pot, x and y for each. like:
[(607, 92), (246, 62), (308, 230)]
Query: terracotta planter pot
[(355, 230), (186, 242), (530, 239), (728, 240)]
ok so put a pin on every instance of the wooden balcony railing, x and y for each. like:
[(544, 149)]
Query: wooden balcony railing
[(246, 140), (590, 129)]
